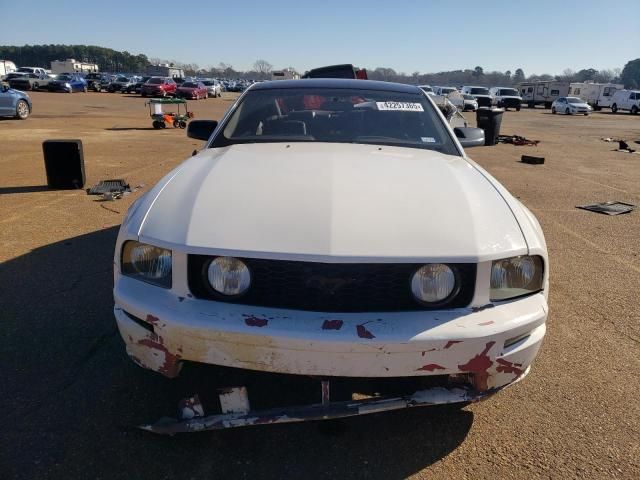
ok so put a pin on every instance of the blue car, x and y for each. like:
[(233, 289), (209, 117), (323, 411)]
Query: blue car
[(68, 82), (14, 103)]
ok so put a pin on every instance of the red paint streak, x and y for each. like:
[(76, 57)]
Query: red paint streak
[(364, 333), (332, 324), (254, 321), (451, 342), (170, 366), (152, 320), (479, 366), (508, 367), (431, 367), (486, 323)]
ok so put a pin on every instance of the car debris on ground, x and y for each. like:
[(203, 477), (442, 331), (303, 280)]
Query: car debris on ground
[(517, 140), (532, 160), (608, 208)]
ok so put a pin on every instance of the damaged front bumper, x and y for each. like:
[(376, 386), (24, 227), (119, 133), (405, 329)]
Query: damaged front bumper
[(236, 413), (495, 345)]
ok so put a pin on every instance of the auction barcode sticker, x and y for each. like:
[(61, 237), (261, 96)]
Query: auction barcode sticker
[(400, 106)]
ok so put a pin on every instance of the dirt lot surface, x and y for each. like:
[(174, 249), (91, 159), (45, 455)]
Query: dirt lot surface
[(71, 398)]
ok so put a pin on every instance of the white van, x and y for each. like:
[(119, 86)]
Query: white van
[(624, 100)]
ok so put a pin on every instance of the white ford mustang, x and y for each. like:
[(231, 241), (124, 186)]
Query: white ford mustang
[(333, 228)]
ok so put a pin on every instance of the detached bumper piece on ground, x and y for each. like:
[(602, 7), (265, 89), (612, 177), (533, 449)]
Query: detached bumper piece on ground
[(236, 411)]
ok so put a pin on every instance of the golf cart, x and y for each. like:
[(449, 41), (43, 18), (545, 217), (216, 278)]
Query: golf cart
[(161, 119)]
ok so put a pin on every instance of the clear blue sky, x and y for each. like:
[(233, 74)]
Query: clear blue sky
[(427, 36)]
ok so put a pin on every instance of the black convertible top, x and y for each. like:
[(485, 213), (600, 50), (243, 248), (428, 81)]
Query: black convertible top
[(337, 83)]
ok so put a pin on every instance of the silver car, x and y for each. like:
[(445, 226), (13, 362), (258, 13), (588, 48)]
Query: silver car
[(214, 89)]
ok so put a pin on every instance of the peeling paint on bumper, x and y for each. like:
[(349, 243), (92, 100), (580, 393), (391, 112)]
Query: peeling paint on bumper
[(397, 344)]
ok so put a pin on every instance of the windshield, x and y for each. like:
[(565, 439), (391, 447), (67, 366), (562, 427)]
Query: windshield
[(468, 97), (338, 116), (208, 83), (426, 89), (154, 81), (445, 91), (64, 77), (574, 100), (479, 91), (25, 69), (189, 85), (122, 79), (509, 92)]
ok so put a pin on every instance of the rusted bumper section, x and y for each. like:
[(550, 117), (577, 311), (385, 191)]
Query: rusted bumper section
[(319, 411)]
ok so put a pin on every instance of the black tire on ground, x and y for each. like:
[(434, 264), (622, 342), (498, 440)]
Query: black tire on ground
[(144, 94), (518, 108), (547, 104), (597, 108), (35, 87), (634, 110), (553, 110), (531, 105), (614, 108), (22, 110), (567, 111), (176, 124), (182, 124)]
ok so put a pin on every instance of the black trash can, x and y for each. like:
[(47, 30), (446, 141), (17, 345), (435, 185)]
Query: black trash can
[(489, 119)]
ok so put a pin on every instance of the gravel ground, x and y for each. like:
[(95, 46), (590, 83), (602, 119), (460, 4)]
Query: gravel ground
[(71, 398)]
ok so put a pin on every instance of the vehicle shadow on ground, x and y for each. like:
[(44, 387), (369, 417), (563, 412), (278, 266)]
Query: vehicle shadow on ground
[(121, 129), (72, 398), (23, 189)]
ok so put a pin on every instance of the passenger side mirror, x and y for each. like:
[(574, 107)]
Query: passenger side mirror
[(469, 136), (201, 129), (3, 88)]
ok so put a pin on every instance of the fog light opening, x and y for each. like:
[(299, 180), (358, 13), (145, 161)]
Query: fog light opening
[(512, 341)]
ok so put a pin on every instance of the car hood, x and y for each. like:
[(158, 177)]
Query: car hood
[(330, 202)]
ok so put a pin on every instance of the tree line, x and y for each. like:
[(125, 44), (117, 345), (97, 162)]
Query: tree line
[(109, 60)]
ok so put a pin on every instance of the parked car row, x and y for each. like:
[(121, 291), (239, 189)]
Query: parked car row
[(470, 97)]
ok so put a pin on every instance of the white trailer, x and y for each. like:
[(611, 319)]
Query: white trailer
[(595, 94), (71, 65), (542, 92), (6, 67)]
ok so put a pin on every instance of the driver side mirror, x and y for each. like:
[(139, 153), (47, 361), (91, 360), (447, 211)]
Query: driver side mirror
[(201, 129), (469, 136)]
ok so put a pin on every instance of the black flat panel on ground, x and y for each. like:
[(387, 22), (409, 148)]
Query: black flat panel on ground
[(64, 163)]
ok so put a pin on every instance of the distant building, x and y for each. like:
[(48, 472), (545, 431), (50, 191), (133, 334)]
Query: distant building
[(165, 70), (286, 74), (71, 65)]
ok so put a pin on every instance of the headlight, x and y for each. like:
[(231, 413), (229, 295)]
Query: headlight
[(147, 263), (68, 85), (228, 276), (515, 277), (433, 283)]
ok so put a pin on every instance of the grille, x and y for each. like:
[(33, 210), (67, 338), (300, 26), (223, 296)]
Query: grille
[(484, 101), (329, 287)]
